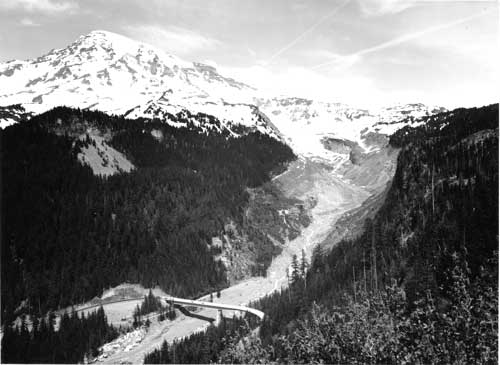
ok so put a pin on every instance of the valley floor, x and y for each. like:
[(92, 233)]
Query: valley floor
[(304, 179)]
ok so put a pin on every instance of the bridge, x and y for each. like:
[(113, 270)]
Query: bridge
[(220, 306)]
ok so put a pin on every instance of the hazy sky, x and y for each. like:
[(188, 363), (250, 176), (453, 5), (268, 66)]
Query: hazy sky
[(359, 51)]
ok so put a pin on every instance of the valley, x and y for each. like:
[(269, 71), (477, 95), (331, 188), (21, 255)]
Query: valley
[(127, 168), (304, 179)]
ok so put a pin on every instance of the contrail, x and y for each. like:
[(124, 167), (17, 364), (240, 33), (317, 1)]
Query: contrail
[(402, 39), (307, 31)]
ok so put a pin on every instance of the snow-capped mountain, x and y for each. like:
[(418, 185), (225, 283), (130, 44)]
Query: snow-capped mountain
[(114, 74)]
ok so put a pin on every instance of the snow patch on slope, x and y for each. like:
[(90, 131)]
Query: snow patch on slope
[(12, 114), (230, 116), (5, 122)]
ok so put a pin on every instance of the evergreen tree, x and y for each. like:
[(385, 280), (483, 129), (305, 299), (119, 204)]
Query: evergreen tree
[(295, 275), (303, 264)]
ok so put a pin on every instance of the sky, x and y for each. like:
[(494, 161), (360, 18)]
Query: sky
[(362, 52)]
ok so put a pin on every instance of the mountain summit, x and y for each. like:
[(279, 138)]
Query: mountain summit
[(106, 71)]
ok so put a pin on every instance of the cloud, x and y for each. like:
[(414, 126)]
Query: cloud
[(339, 61), (40, 6), (356, 90), (382, 7), (302, 35), (172, 39), (302, 82), (27, 22), (251, 52)]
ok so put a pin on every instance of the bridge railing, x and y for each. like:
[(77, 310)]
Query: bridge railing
[(222, 306)]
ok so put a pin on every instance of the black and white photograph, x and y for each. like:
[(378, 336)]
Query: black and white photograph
[(249, 181)]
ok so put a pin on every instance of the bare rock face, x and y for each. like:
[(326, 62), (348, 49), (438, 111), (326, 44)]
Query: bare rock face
[(345, 147), (271, 221)]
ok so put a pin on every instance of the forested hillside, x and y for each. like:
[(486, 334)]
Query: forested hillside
[(443, 200), (420, 285), (76, 337), (68, 234)]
